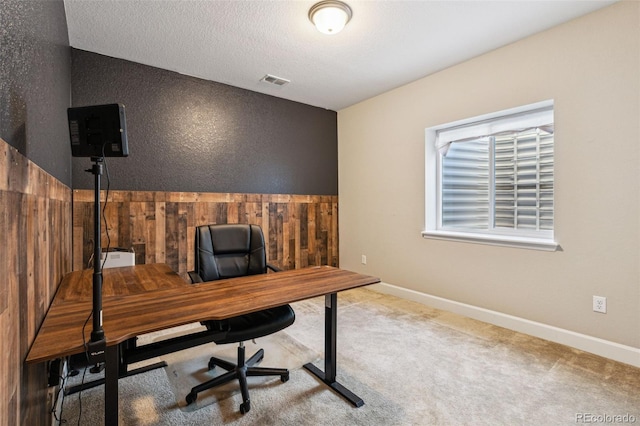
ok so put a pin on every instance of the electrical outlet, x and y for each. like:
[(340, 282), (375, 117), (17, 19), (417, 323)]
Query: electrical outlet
[(364, 259), (600, 304)]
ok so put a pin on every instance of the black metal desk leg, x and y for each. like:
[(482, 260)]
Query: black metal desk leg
[(111, 385), (330, 343)]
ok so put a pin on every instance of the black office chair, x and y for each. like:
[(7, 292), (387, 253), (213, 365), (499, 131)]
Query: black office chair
[(229, 251)]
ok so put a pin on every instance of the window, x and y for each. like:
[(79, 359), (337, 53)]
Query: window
[(490, 179)]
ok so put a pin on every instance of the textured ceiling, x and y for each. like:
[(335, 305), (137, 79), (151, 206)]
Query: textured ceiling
[(385, 45)]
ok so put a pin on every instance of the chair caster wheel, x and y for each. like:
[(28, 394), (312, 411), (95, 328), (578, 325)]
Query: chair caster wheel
[(284, 378), (245, 407), (191, 398)]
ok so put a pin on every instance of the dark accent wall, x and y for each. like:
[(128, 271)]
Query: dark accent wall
[(35, 90), (35, 194), (187, 134)]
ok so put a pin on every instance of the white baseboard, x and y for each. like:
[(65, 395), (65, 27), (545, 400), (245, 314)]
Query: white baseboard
[(615, 351)]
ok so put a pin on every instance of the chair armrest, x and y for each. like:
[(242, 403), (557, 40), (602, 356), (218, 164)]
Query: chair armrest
[(195, 278), (273, 268)]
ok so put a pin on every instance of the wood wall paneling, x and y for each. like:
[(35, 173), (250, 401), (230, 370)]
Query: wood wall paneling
[(35, 215), (300, 230)]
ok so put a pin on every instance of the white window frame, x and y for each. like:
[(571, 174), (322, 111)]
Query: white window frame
[(539, 240)]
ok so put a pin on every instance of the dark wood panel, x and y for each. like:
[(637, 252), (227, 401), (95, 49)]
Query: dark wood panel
[(300, 230), (35, 228)]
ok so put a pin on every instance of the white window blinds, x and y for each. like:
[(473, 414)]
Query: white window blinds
[(465, 185), (497, 175)]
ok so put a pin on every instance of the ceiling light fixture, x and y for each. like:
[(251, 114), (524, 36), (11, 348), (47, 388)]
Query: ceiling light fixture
[(330, 16)]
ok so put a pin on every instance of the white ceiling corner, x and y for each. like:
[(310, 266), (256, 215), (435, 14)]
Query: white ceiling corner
[(385, 45)]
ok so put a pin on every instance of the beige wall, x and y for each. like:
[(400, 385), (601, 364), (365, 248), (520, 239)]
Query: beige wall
[(591, 68)]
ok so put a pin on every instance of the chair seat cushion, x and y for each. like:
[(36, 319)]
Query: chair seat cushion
[(253, 325)]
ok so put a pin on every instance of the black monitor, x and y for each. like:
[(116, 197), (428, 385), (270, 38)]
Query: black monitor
[(98, 131)]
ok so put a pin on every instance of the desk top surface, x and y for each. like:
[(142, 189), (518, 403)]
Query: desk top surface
[(146, 298), (125, 281)]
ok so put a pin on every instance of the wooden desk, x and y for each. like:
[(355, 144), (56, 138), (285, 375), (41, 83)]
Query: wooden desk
[(146, 298), (124, 281), (61, 332)]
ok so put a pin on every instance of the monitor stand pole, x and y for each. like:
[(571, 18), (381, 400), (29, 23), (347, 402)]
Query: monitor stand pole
[(97, 345)]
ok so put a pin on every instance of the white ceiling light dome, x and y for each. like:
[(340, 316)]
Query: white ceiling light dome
[(330, 16)]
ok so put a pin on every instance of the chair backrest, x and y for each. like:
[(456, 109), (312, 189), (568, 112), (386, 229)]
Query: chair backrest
[(229, 250)]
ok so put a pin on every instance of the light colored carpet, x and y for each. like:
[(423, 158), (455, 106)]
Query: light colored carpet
[(188, 368), (411, 364)]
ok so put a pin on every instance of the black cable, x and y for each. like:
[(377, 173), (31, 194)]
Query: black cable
[(86, 353), (90, 261), (104, 207), (80, 396), (57, 397)]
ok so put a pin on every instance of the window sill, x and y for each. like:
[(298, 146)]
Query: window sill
[(496, 240)]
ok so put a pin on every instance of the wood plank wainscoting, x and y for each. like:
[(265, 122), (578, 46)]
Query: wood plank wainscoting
[(35, 230), (300, 230)]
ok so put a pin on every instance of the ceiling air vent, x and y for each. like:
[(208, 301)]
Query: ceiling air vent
[(275, 80)]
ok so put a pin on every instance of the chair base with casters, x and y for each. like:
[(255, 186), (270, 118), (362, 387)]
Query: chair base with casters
[(239, 371), (230, 251)]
